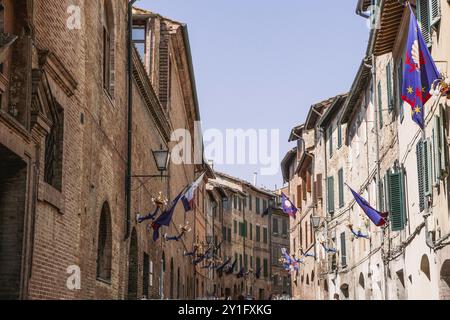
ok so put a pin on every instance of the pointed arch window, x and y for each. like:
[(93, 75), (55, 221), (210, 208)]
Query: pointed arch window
[(104, 248)]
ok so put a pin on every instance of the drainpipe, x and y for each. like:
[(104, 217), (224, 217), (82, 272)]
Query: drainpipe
[(130, 120)]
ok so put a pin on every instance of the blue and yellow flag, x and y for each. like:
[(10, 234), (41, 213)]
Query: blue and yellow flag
[(419, 72)]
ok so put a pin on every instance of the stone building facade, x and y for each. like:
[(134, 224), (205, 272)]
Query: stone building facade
[(368, 142)]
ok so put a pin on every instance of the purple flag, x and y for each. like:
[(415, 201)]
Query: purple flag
[(288, 206)]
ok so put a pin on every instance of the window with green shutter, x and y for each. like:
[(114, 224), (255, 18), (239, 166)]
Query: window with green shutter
[(397, 199), (341, 187), (266, 269), (250, 202), (224, 233), (265, 236), (436, 151), (229, 234), (339, 135), (343, 250), (330, 140), (258, 233), (380, 105), (257, 206), (401, 111), (444, 143), (428, 13), (235, 227), (330, 195), (258, 263), (389, 87), (424, 171), (251, 231)]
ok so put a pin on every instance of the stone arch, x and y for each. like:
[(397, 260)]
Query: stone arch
[(133, 267), (344, 290), (444, 284), (104, 244), (425, 266)]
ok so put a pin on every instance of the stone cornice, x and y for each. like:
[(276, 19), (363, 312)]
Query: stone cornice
[(148, 94), (59, 73)]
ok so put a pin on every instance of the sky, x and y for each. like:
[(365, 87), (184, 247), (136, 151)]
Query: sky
[(261, 64)]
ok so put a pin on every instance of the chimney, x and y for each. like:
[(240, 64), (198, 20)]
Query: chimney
[(255, 179)]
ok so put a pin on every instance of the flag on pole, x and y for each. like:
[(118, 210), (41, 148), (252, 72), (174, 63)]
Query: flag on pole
[(378, 218), (288, 206), (188, 197), (165, 218), (419, 72)]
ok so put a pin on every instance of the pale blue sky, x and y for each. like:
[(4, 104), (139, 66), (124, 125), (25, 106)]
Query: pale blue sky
[(262, 63)]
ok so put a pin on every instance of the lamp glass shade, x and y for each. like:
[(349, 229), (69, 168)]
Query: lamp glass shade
[(161, 159), (315, 220)]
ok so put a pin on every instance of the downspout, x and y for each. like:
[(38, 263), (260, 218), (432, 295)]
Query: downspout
[(130, 121)]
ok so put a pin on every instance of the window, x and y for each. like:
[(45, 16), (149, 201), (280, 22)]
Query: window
[(235, 259), (235, 227), (396, 190), (251, 231), (54, 149), (330, 193), (339, 136), (330, 140), (341, 187), (224, 233), (285, 227), (258, 263), (440, 149), (343, 250), (389, 87), (423, 153), (401, 112), (265, 238), (380, 105), (250, 204), (258, 209), (275, 225), (246, 261), (138, 34), (235, 205), (108, 46), (229, 234), (428, 15), (258, 234), (266, 269), (104, 244)]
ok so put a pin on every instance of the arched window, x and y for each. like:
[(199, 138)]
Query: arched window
[(425, 266), (312, 276), (108, 47), (307, 279), (104, 247), (361, 281)]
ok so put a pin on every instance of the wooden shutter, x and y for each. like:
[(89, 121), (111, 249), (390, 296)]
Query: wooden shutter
[(304, 190), (420, 174), (343, 250), (444, 144), (423, 14), (308, 181), (397, 199), (427, 167), (330, 140), (339, 136), (299, 196), (401, 111), (380, 105), (319, 186), (341, 187), (389, 87), (330, 194), (435, 10), (251, 231)]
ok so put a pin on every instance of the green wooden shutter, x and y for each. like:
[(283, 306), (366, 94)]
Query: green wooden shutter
[(235, 258), (435, 10), (397, 201), (339, 136), (341, 187), (437, 162), (427, 168), (389, 87), (266, 269), (423, 16), (330, 195), (224, 233), (343, 250), (401, 111), (251, 231), (380, 105), (420, 174), (444, 144), (330, 140), (235, 227)]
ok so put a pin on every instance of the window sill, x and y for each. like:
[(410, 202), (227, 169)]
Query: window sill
[(103, 281), (52, 196)]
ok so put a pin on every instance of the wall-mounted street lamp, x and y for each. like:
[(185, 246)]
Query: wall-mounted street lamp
[(315, 221), (161, 158)]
